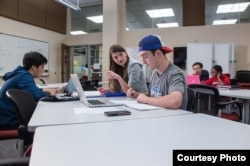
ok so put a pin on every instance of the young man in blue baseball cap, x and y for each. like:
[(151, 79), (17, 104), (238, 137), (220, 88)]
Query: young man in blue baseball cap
[(168, 87)]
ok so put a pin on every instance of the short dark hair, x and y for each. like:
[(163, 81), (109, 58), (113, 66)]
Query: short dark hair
[(198, 63), (163, 52), (218, 68), (33, 58)]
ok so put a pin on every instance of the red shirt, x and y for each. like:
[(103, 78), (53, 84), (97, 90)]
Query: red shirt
[(214, 81)]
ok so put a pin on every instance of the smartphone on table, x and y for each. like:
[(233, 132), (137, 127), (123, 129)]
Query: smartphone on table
[(117, 113)]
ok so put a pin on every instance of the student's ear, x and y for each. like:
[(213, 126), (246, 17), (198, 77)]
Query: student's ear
[(157, 53)]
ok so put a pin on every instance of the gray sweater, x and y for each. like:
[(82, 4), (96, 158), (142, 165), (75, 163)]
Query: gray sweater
[(136, 78)]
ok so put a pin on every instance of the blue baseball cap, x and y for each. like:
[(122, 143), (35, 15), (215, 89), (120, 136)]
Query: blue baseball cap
[(153, 42)]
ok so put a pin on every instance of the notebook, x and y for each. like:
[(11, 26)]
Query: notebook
[(92, 102), (193, 79)]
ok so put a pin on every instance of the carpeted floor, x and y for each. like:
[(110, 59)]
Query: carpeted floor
[(8, 148)]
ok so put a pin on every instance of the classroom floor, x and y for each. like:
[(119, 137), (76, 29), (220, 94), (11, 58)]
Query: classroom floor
[(8, 148)]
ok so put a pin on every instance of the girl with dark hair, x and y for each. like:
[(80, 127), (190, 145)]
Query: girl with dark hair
[(217, 77)]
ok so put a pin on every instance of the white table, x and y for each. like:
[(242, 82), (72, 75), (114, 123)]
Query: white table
[(244, 96), (53, 86), (139, 142), (59, 113)]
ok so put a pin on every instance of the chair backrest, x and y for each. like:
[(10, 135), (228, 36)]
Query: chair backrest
[(89, 85), (207, 99), (191, 99), (243, 76), (24, 102)]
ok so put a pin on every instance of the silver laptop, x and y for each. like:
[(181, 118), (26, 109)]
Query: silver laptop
[(90, 102)]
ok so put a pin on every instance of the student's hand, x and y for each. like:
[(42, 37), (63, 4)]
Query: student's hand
[(142, 98), (194, 72), (219, 75), (132, 93), (61, 89), (50, 91), (102, 90), (112, 75)]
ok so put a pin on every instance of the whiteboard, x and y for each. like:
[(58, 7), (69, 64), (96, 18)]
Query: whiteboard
[(13, 48)]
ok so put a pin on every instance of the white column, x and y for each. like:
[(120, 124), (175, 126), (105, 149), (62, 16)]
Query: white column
[(114, 26)]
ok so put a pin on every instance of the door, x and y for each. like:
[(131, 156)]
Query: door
[(65, 63), (224, 56)]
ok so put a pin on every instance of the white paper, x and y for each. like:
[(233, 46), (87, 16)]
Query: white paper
[(140, 106), (124, 101)]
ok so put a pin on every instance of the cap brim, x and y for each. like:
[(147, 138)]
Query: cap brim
[(167, 49)]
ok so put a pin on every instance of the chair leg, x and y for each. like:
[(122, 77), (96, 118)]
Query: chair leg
[(20, 148)]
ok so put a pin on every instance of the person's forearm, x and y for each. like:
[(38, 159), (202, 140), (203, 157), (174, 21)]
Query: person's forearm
[(123, 84)]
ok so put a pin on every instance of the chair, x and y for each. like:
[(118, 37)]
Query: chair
[(191, 99), (20, 161), (8, 134), (208, 101), (89, 85), (243, 78), (25, 105)]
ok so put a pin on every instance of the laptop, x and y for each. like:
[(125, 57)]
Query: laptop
[(89, 102), (67, 96), (193, 79)]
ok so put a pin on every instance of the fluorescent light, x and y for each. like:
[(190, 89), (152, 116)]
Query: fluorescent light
[(69, 4), (160, 13), (96, 19), (230, 8), (77, 32), (218, 22), (167, 25), (127, 29)]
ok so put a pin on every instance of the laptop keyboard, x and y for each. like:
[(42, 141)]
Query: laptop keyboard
[(95, 102)]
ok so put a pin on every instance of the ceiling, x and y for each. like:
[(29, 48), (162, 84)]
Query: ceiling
[(138, 19)]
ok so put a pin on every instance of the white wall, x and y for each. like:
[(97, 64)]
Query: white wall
[(238, 34), (174, 37)]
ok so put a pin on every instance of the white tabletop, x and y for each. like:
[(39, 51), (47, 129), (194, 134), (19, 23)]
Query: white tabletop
[(237, 93), (140, 142), (59, 113), (56, 85)]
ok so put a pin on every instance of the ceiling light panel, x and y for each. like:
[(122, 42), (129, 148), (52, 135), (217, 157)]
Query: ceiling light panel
[(230, 8), (219, 22), (167, 25), (160, 13), (96, 19), (77, 32)]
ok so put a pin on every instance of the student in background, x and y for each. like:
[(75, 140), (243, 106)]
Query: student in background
[(217, 77), (21, 78), (168, 87), (198, 70), (124, 72)]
